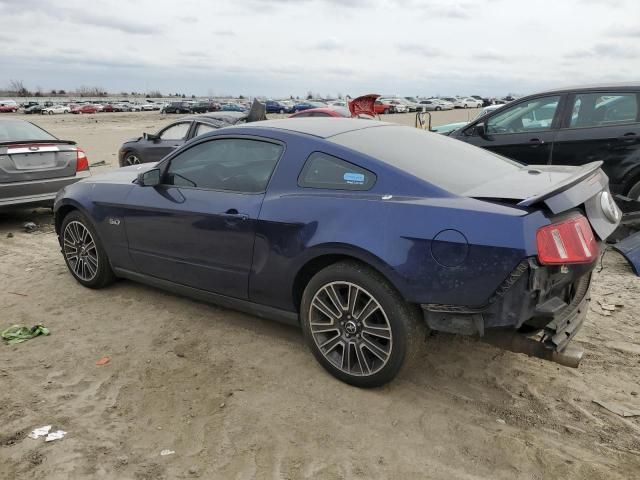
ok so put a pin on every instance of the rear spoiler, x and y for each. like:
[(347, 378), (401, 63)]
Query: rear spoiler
[(590, 169), (31, 142)]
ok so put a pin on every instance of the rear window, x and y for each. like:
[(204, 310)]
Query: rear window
[(603, 109), (16, 130), (447, 163)]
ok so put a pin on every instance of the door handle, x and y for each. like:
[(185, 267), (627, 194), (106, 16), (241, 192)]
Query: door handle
[(232, 214), (536, 142), (628, 137)]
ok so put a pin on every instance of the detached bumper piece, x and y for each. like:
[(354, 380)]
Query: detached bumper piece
[(550, 301)]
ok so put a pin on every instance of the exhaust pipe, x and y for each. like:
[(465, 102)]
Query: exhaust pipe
[(518, 343)]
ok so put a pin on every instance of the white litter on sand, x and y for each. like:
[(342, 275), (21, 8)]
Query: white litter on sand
[(40, 432)]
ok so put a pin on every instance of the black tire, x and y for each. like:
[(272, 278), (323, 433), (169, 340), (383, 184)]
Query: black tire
[(403, 321), (634, 191), (104, 274), (125, 163), (281, 111), (386, 111), (438, 108)]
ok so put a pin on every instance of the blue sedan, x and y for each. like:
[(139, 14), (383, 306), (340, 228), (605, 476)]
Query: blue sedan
[(364, 233)]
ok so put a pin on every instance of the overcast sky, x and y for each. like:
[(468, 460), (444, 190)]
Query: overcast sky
[(281, 47)]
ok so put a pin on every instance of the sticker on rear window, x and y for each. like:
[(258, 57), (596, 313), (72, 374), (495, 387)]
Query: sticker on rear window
[(354, 178)]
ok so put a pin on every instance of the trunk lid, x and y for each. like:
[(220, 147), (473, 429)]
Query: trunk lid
[(559, 188), (31, 161)]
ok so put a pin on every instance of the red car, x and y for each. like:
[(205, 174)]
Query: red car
[(84, 109), (383, 107), (8, 108), (323, 112)]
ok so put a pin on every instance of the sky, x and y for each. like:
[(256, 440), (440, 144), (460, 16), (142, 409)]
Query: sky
[(277, 48)]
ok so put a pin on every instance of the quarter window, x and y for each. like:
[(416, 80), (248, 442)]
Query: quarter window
[(602, 109), (237, 165), (204, 128), (176, 132), (326, 171), (531, 116)]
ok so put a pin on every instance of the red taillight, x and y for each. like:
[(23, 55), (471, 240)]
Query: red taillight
[(569, 241), (82, 162)]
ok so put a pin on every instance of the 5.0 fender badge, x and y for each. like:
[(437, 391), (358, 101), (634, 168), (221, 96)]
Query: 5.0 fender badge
[(114, 221)]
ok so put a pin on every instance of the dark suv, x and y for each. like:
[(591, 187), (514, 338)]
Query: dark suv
[(571, 126)]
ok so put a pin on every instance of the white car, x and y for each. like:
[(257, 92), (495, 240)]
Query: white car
[(148, 107), (436, 104), (399, 106), (55, 109), (468, 102)]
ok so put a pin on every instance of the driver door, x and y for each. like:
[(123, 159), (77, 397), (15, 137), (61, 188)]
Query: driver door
[(197, 227), (168, 140), (523, 132)]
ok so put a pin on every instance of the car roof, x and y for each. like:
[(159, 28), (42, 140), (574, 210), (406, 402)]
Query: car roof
[(317, 126), (222, 116), (595, 87)]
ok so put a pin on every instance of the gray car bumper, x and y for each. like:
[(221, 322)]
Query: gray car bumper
[(39, 191)]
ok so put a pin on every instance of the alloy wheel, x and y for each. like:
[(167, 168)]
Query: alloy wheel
[(350, 328), (80, 250), (131, 159)]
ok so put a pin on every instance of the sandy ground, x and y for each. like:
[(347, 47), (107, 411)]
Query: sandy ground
[(238, 397)]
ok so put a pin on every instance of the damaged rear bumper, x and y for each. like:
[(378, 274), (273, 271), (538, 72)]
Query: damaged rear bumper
[(550, 301)]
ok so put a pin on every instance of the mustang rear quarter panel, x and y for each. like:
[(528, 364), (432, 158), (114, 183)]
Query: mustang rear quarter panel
[(394, 236)]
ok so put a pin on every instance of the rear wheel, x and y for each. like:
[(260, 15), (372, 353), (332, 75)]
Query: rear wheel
[(438, 109), (83, 252), (358, 326), (386, 111)]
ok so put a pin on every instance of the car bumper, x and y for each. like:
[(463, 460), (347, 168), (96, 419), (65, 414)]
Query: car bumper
[(40, 191), (553, 301)]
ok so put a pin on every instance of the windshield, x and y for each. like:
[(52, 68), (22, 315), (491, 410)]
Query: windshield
[(447, 163), (17, 130)]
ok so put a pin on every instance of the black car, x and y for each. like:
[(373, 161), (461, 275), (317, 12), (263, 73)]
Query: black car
[(34, 107), (153, 147), (179, 107), (572, 126), (205, 107)]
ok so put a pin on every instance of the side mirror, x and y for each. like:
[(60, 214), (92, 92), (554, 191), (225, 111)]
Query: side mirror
[(150, 136), (481, 130), (150, 178)]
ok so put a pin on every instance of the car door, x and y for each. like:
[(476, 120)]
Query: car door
[(166, 141), (602, 126), (524, 131), (197, 227)]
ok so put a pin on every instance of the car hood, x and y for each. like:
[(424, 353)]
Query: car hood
[(121, 175)]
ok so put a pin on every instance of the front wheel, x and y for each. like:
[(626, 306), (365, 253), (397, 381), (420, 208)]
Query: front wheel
[(83, 252), (130, 158), (358, 326)]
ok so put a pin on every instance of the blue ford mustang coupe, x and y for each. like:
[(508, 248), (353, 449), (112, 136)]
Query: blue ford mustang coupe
[(364, 233)]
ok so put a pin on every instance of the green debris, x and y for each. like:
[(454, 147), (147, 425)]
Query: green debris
[(20, 333)]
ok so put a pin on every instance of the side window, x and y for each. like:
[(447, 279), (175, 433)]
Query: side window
[(531, 116), (326, 171), (602, 109), (237, 165), (176, 132), (203, 128)]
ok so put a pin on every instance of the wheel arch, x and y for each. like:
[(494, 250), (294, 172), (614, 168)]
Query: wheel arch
[(335, 254), (65, 209)]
